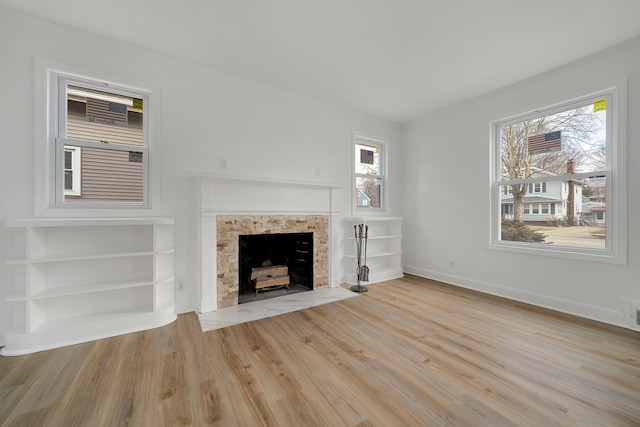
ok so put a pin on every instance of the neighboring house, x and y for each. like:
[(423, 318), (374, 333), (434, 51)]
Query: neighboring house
[(546, 201), (593, 213), (364, 201), (94, 174), (598, 191)]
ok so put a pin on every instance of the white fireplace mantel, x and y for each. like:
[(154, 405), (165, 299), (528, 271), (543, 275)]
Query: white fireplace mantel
[(209, 176), (220, 194)]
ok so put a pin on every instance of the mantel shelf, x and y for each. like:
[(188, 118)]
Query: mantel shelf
[(208, 176)]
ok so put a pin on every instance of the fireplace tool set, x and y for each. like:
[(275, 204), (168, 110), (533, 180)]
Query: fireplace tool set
[(362, 271)]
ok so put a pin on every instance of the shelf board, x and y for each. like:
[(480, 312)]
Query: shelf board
[(389, 236), (86, 257), (16, 296), (164, 251), (91, 222), (366, 219), (376, 276), (81, 322), (95, 287), (377, 255), (74, 330), (164, 279)]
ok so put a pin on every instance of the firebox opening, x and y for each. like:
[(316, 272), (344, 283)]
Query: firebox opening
[(290, 254)]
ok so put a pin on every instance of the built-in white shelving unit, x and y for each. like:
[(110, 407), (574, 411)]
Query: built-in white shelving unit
[(76, 280), (384, 248)]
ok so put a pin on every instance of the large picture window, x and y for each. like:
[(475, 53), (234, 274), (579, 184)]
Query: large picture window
[(558, 179), (99, 144)]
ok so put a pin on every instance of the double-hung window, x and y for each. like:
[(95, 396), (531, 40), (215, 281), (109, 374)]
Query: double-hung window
[(542, 162), (98, 145), (369, 173)]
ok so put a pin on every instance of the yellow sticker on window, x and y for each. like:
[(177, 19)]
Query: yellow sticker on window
[(600, 105), (138, 104)]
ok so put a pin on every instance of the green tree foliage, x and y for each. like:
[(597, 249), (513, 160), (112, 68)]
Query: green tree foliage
[(519, 232)]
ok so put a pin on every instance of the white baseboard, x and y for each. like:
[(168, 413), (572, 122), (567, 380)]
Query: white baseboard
[(586, 311)]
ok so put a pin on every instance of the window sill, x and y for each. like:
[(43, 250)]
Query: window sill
[(562, 252)]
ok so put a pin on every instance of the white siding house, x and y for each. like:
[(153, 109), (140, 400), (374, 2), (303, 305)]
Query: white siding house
[(594, 212), (545, 201)]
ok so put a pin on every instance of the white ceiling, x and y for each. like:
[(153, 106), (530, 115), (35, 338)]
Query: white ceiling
[(397, 59)]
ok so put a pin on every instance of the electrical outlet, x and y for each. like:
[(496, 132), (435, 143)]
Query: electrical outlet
[(223, 163), (452, 264), (317, 172), (631, 312), (180, 284)]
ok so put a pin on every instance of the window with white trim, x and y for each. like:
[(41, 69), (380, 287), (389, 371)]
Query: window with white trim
[(538, 187), (550, 154), (99, 144), (369, 173), (72, 171), (544, 208)]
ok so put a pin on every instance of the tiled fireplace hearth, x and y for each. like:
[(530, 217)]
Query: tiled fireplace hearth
[(231, 206), (230, 227)]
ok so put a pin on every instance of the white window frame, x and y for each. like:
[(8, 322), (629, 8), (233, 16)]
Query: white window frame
[(359, 139), (537, 187), (76, 168), (542, 208), (615, 176), (49, 152)]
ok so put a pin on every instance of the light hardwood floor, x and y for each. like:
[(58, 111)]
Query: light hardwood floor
[(409, 352)]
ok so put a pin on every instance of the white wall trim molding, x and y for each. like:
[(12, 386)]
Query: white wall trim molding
[(586, 311)]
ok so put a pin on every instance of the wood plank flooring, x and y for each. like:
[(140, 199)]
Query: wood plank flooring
[(410, 352)]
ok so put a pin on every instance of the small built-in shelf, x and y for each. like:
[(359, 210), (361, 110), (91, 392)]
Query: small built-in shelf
[(383, 248)]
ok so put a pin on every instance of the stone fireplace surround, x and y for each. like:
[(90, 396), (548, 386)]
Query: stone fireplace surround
[(230, 227), (231, 205)]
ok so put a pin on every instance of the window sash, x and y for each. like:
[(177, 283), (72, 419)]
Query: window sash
[(60, 139), (60, 144), (379, 178)]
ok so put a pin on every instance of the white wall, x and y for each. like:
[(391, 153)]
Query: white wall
[(447, 196), (204, 114)]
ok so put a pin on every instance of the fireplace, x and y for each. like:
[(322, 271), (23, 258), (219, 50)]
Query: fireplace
[(274, 264), (299, 242), (230, 206)]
